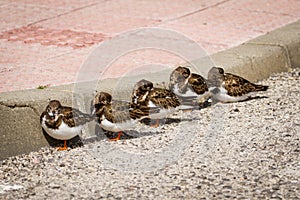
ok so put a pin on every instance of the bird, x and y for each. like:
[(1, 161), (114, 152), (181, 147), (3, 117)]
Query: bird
[(63, 122), (157, 103), (227, 87), (114, 115), (191, 88)]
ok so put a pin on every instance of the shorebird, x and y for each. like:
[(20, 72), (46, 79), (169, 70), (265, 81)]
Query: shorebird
[(227, 87)]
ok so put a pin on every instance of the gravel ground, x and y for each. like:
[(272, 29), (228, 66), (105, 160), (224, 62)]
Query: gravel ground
[(241, 150)]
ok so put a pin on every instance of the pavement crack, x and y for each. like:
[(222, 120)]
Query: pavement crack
[(195, 11), (251, 61), (14, 106)]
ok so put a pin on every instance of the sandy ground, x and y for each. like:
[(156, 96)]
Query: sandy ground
[(241, 150)]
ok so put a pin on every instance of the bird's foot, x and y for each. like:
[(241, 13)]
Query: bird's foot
[(62, 148), (117, 138), (156, 124)]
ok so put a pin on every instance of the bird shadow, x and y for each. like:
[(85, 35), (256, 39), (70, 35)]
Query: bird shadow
[(256, 97), (197, 106), (245, 100), (253, 98), (205, 104), (101, 134), (139, 134), (152, 122)]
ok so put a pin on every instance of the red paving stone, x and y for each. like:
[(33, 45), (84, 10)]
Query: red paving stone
[(46, 42), (44, 36)]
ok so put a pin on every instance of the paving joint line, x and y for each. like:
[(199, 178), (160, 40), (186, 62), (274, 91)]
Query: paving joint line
[(243, 56), (60, 55), (65, 13), (282, 47), (264, 12), (193, 12)]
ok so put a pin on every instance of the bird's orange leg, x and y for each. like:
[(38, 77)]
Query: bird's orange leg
[(156, 124), (118, 137), (64, 147)]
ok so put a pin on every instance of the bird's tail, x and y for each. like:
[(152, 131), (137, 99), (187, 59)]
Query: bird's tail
[(261, 87)]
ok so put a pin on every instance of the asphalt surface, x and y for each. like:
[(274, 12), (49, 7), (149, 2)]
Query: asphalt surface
[(245, 150)]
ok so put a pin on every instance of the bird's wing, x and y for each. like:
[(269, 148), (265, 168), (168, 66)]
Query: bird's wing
[(238, 86), (164, 98), (74, 117), (198, 84), (116, 115)]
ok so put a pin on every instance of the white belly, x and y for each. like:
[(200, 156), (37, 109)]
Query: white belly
[(222, 95), (188, 93), (191, 93), (116, 127), (163, 113), (64, 132)]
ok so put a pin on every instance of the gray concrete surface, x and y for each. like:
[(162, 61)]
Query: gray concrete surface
[(245, 150), (256, 60)]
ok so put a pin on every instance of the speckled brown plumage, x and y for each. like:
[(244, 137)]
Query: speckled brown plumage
[(51, 122), (179, 77), (227, 87), (238, 86), (116, 116), (163, 98), (144, 92), (115, 111), (71, 116), (158, 102), (141, 91), (62, 122), (183, 81), (198, 83)]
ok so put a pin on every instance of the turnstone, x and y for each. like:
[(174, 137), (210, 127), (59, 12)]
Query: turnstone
[(226, 87), (158, 102), (115, 116), (190, 88), (62, 122)]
